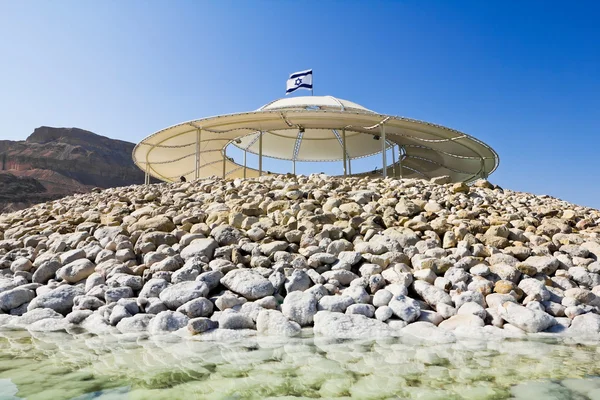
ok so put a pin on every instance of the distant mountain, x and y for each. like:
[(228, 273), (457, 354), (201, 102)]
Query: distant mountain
[(55, 162)]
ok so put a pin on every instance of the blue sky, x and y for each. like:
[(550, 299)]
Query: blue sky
[(523, 77)]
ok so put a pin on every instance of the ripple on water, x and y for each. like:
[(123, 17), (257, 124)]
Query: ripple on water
[(60, 366)]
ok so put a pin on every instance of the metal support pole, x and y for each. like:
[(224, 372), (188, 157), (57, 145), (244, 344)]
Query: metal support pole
[(245, 152), (383, 149), (483, 174), (401, 152), (147, 175), (260, 154), (224, 160), (394, 159), (294, 166), (197, 169), (344, 151)]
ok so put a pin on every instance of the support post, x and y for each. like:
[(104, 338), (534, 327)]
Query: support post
[(394, 159), (294, 166), (197, 169), (147, 175), (224, 160), (260, 154), (245, 152), (401, 152), (483, 174), (344, 151), (383, 149)]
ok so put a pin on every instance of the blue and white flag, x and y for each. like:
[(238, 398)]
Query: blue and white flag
[(299, 80)]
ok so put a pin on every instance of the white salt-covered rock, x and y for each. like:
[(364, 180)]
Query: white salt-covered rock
[(524, 318), (177, 295), (353, 326), (247, 283), (167, 321), (272, 322), (300, 307), (405, 308), (431, 294)]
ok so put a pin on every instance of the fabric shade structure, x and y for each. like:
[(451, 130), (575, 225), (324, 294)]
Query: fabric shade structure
[(313, 129)]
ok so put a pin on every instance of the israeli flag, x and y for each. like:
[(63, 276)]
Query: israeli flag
[(299, 80)]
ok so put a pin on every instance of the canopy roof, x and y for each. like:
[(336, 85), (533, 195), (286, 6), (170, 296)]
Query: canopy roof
[(312, 128)]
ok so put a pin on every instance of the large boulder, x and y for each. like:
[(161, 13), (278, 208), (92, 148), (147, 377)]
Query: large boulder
[(167, 321), (200, 307), (300, 307), (211, 278), (334, 303), (226, 235), (137, 323), (21, 264), (432, 294), (13, 298), (248, 283), (177, 295), (592, 247), (200, 247), (59, 299), (494, 300), (46, 271), (543, 264), (49, 325), (201, 324), (298, 281), (405, 308), (585, 325), (271, 248), (426, 332), (529, 320), (461, 320), (349, 326), (77, 270), (230, 319), (343, 276), (160, 223), (153, 288), (350, 257), (273, 322), (69, 256), (533, 287), (37, 314), (407, 208)]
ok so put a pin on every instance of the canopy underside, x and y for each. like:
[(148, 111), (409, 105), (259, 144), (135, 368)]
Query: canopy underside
[(303, 134)]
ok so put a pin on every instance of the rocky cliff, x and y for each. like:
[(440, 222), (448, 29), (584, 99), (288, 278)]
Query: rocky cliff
[(62, 161)]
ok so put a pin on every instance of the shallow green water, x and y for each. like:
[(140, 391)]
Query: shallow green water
[(59, 366)]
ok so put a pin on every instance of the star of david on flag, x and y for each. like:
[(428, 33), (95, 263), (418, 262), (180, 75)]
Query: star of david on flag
[(299, 80)]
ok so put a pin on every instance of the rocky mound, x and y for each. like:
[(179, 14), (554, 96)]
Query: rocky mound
[(66, 161), (348, 257)]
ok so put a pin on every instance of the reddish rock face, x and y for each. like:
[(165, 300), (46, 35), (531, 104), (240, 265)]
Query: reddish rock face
[(55, 162)]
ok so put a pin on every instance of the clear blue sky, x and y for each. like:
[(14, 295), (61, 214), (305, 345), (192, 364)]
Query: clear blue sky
[(522, 76)]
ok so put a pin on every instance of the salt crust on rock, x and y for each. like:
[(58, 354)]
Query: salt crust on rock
[(247, 283), (352, 326)]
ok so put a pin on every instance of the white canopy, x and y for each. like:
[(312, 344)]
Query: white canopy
[(312, 128)]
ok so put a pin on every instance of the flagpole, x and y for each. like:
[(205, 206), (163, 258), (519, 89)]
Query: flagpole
[(312, 83)]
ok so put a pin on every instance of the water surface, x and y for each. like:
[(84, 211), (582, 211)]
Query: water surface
[(63, 366)]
